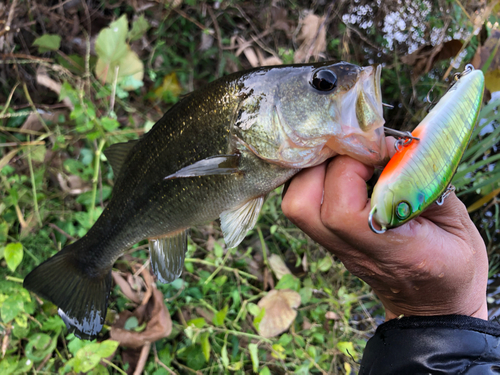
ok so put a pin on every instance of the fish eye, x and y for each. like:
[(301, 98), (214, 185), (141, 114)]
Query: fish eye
[(324, 80), (403, 210)]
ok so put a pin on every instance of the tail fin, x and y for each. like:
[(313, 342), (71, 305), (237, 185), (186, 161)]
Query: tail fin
[(82, 296)]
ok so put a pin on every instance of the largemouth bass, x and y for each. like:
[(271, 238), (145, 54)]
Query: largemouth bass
[(216, 153), (419, 173)]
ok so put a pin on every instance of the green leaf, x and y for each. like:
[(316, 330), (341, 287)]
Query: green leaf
[(219, 316), (107, 348), (224, 357), (265, 371), (13, 254), (218, 250), (197, 322), (39, 346), (288, 281), (8, 365), (87, 358), (253, 309), (258, 318), (254, 355), (205, 345), (139, 28), (305, 295), (325, 264), (109, 124), (278, 351), (131, 323), (347, 348), (48, 42), (110, 44), (11, 308), (4, 230)]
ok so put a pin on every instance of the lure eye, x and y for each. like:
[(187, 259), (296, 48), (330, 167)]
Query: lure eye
[(403, 210), (324, 80)]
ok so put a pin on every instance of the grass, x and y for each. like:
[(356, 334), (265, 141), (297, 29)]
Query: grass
[(55, 182)]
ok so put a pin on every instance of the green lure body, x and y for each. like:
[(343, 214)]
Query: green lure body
[(419, 173)]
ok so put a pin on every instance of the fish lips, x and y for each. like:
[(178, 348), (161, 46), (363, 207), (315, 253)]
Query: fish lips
[(361, 121)]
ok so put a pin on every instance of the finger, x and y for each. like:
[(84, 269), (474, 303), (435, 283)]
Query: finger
[(303, 198), (390, 142), (346, 198)]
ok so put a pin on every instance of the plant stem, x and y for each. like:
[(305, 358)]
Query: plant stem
[(95, 179), (193, 260), (114, 366), (15, 279), (33, 187)]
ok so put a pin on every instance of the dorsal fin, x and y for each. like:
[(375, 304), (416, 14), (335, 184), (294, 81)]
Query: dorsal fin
[(117, 153)]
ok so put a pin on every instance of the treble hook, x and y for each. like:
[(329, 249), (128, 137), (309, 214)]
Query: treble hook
[(450, 189), (404, 138), (370, 222)]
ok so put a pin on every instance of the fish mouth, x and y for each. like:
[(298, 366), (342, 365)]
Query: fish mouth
[(361, 120)]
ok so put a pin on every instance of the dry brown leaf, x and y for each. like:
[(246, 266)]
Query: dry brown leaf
[(278, 266), (126, 287), (155, 313), (33, 120), (332, 315), (72, 184), (280, 19), (43, 79), (280, 312), (313, 43), (424, 58), (492, 76)]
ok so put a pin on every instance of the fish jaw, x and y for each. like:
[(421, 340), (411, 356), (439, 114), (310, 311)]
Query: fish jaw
[(360, 118)]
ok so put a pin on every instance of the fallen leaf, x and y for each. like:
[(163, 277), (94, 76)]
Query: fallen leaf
[(169, 87), (332, 315), (487, 58), (73, 184), (126, 287), (424, 58), (278, 266), (158, 326), (280, 311), (43, 79), (313, 42)]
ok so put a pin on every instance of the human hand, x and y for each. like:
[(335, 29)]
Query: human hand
[(436, 264)]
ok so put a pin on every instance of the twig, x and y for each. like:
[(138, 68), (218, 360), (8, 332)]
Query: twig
[(9, 18), (113, 90), (157, 360), (13, 144), (142, 359), (219, 39), (193, 260), (181, 13), (33, 186), (33, 107), (311, 45), (25, 56), (114, 366), (68, 236), (7, 103), (187, 368)]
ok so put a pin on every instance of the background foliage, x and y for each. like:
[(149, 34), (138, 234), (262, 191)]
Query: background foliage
[(78, 76)]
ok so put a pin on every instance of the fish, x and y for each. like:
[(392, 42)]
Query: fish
[(216, 153), (420, 172)]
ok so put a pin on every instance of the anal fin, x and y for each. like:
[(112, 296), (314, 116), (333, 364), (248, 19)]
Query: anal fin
[(167, 255), (236, 223)]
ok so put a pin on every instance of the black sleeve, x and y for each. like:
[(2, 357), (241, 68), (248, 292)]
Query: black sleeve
[(450, 344)]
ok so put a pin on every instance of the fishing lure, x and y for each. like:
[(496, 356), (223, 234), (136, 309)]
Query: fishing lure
[(422, 168)]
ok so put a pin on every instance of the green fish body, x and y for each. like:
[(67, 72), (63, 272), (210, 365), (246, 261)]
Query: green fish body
[(216, 153)]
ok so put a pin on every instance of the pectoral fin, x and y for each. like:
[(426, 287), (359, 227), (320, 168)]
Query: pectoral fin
[(221, 164), (236, 223), (117, 153), (167, 255)]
